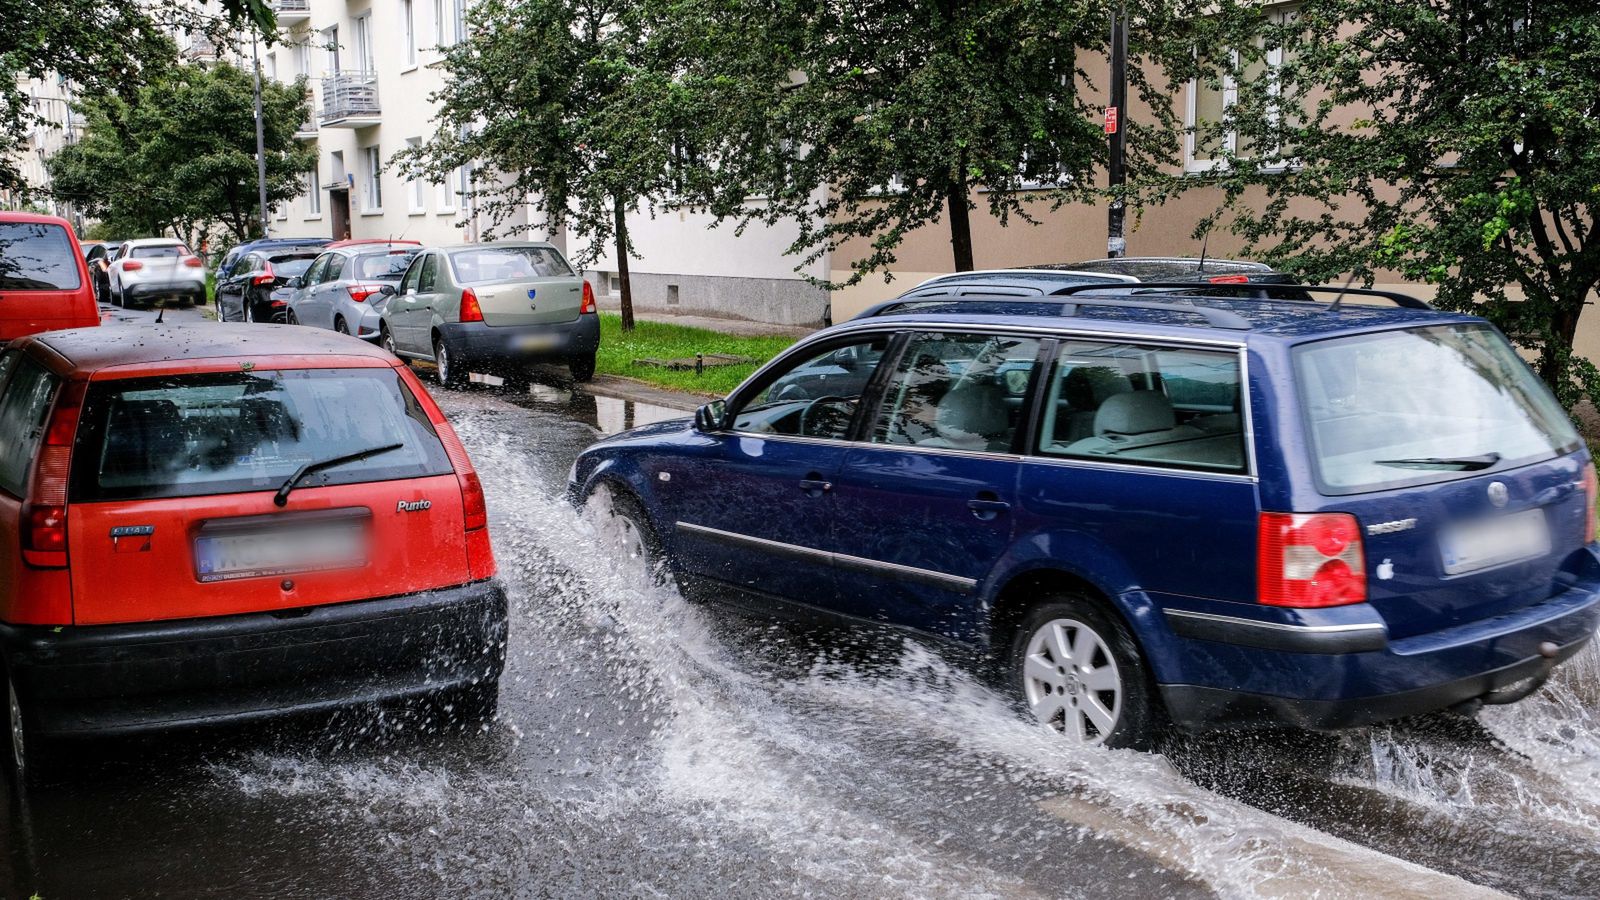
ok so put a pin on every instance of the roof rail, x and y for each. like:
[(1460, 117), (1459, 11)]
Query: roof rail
[(1231, 291), (1216, 318)]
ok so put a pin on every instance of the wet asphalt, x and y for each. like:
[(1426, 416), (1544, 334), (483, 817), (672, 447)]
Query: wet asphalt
[(648, 746)]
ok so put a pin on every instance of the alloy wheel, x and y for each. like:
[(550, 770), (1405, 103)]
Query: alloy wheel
[(19, 750), (1072, 682), (441, 360)]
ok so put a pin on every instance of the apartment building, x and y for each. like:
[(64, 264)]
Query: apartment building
[(56, 125)]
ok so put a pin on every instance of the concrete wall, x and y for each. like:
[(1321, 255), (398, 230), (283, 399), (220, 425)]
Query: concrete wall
[(781, 301)]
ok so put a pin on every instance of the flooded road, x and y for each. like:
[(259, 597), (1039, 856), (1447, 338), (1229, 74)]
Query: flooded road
[(648, 746)]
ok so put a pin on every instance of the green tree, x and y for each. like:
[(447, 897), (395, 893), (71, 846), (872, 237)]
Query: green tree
[(866, 120), (550, 102), (104, 49), (1454, 142), (182, 156)]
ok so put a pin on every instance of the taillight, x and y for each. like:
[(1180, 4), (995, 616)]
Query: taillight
[(1591, 487), (266, 276), (470, 311), (44, 517), (132, 265), (588, 298), (193, 262), (1229, 279), (360, 292), (1310, 560), (475, 514)]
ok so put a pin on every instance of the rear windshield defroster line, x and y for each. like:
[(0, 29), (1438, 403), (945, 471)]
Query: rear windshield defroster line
[(237, 432)]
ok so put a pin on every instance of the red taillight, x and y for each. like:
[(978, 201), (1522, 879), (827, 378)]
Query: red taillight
[(588, 298), (475, 513), (1310, 560), (1229, 279), (194, 262), (360, 292), (1591, 487), (470, 311), (132, 265), (266, 276), (44, 517)]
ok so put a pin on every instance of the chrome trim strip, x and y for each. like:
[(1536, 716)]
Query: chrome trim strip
[(1278, 626), (836, 560)]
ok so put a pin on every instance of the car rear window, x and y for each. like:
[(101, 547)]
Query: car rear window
[(290, 266), (484, 265), (231, 432), (1423, 405), (37, 256), (386, 266), (165, 251)]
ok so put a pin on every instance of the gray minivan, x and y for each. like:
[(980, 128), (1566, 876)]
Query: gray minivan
[(496, 307)]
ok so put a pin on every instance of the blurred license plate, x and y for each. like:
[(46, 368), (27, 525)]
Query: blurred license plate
[(536, 341), (282, 552), (1494, 542)]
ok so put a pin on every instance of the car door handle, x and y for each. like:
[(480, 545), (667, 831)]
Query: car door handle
[(815, 486), (987, 510)]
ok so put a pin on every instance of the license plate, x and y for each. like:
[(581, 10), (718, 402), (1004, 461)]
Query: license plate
[(1484, 544), (259, 554), (536, 341)]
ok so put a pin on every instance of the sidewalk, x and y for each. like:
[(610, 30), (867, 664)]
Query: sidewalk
[(740, 327)]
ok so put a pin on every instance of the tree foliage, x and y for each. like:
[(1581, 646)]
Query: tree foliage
[(553, 102), (103, 49), (1455, 142), (181, 154)]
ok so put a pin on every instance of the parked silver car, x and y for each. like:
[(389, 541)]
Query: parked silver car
[(346, 287), (151, 269)]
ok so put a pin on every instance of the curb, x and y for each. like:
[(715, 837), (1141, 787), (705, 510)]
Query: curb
[(621, 388)]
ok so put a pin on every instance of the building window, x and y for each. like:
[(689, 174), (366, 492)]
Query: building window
[(1208, 102), (374, 173), (416, 188), (282, 210), (269, 66), (458, 19), (406, 10), (439, 22), (330, 46), (363, 46), (302, 60), (313, 194)]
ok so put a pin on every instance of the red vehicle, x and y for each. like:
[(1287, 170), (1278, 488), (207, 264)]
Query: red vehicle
[(44, 281), (209, 524)]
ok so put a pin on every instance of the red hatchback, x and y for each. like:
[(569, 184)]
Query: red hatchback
[(44, 282), (208, 524)]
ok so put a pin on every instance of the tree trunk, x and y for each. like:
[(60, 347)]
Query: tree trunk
[(1554, 358), (620, 212), (960, 226)]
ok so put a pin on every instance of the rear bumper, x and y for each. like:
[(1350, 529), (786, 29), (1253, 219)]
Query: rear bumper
[(122, 679), (1219, 677), (194, 291), (480, 342)]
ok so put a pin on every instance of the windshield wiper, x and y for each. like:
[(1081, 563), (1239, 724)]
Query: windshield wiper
[(1462, 463), (282, 497)]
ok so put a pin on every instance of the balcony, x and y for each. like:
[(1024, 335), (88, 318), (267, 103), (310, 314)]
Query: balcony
[(350, 100), (291, 12), (308, 129), (200, 46)]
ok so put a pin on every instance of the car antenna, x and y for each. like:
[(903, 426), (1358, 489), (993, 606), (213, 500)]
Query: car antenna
[(1334, 306), (1204, 240)]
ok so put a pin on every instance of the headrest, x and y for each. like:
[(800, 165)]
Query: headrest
[(1086, 387), (972, 413), (1136, 412)]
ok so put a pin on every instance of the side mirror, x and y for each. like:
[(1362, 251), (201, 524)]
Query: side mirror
[(295, 282), (711, 417), (387, 290)]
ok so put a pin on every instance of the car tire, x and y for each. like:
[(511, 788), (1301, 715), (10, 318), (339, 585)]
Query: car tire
[(1106, 697), (582, 367), (291, 318), (340, 326), (249, 312), (640, 540), (386, 339), (21, 748), (449, 369)]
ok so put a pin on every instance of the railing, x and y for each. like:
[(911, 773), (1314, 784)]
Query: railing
[(200, 47), (350, 95), (291, 6)]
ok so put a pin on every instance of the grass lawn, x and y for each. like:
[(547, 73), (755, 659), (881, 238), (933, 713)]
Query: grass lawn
[(661, 340)]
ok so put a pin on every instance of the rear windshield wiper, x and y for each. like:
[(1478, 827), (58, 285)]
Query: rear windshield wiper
[(282, 497), (1460, 463)]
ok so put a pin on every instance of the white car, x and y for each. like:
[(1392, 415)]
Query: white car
[(152, 269)]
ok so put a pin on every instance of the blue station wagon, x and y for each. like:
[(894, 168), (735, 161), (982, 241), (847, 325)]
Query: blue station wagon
[(1150, 510)]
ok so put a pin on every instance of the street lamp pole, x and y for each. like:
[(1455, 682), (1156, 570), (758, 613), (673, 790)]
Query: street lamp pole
[(261, 139), (1116, 131)]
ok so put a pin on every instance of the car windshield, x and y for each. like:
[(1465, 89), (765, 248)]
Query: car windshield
[(36, 256), (485, 265), (220, 433), (1422, 405), (388, 265), (164, 251), (290, 266)]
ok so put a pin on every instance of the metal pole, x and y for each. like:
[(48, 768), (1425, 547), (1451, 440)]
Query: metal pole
[(261, 139), (1116, 128)]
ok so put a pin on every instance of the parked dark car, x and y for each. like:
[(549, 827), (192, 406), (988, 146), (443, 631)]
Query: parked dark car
[(237, 252), (258, 290), (1207, 510)]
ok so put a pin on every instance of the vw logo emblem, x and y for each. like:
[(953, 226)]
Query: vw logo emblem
[(1498, 495)]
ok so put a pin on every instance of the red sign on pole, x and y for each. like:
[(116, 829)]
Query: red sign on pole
[(1111, 120)]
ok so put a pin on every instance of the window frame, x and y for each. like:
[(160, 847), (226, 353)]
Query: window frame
[(871, 392), (372, 193)]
